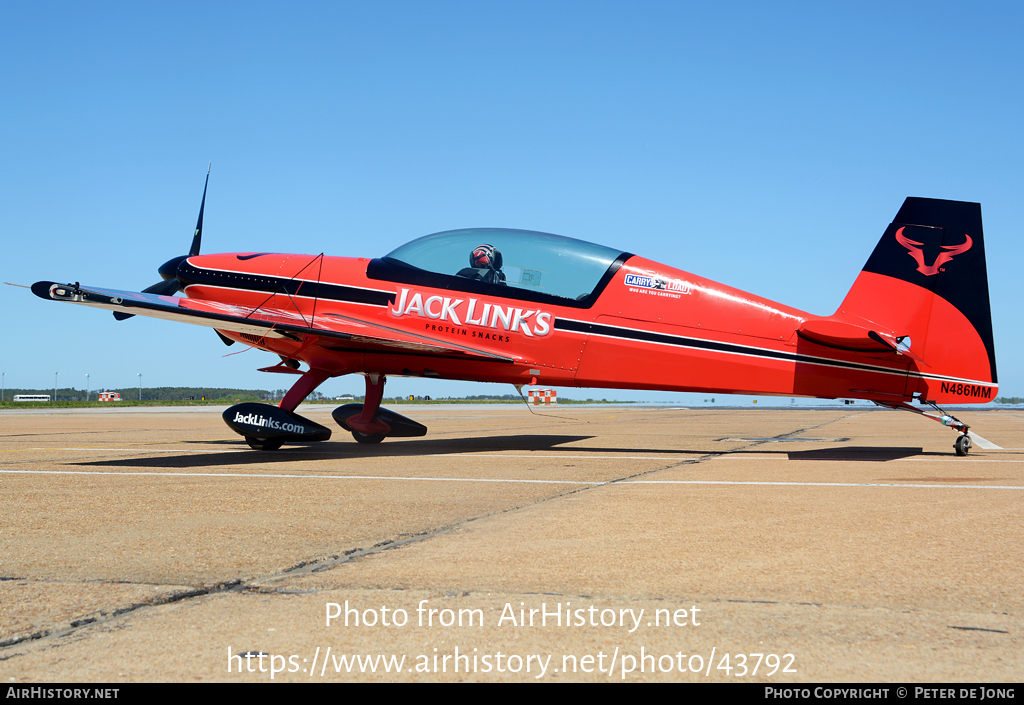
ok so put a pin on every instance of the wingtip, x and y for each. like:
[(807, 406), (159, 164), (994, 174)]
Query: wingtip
[(42, 289)]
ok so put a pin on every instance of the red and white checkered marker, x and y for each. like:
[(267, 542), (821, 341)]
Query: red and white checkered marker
[(542, 396)]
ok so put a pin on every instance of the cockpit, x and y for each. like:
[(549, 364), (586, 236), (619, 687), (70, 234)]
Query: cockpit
[(520, 264)]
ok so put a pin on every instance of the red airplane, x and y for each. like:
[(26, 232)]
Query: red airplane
[(522, 307)]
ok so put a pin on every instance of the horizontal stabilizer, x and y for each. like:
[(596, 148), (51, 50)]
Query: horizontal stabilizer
[(848, 336)]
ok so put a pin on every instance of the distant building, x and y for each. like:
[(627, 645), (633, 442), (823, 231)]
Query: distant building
[(109, 396)]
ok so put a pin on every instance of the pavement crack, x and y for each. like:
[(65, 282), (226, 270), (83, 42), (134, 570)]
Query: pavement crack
[(101, 617), (980, 629)]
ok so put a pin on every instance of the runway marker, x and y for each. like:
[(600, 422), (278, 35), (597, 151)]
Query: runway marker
[(983, 442)]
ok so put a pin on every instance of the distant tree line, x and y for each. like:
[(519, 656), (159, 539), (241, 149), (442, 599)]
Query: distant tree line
[(490, 397), (1010, 400), (211, 394), (149, 393)]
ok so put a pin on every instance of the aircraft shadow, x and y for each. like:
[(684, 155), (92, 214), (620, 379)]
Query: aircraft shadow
[(416, 448), (341, 449), (859, 454)]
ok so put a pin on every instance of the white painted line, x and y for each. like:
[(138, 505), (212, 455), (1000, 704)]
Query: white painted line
[(689, 456), (955, 460), (153, 450), (298, 477), (871, 460), (512, 481), (707, 456), (819, 484), (336, 454)]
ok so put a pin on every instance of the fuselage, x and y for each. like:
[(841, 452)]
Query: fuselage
[(648, 327)]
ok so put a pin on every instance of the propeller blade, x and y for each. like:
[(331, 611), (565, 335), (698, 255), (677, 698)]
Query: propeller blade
[(197, 239), (168, 287), (168, 270)]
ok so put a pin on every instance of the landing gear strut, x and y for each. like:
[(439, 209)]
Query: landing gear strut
[(366, 427), (963, 442)]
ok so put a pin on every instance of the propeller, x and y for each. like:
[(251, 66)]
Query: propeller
[(169, 270)]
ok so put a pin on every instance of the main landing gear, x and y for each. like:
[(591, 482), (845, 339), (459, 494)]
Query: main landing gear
[(963, 442), (369, 422), (269, 427)]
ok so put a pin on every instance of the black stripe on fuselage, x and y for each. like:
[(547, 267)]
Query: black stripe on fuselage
[(191, 275), (568, 324), (713, 345)]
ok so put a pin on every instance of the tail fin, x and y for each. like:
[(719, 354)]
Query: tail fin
[(927, 280)]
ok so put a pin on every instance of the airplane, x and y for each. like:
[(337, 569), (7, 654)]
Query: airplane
[(528, 308)]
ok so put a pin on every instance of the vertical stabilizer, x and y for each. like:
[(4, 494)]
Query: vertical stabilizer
[(927, 280)]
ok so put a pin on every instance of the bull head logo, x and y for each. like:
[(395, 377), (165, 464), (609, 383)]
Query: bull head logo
[(948, 253)]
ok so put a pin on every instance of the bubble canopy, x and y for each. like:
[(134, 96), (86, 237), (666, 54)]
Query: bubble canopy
[(530, 261)]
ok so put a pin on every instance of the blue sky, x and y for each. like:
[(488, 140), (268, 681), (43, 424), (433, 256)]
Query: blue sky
[(763, 145)]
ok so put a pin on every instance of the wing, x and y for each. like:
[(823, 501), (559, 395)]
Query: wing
[(263, 322)]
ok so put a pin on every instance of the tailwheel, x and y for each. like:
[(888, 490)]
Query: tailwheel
[(268, 444), (368, 437), (963, 444)]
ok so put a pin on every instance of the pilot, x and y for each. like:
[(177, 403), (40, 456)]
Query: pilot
[(484, 265)]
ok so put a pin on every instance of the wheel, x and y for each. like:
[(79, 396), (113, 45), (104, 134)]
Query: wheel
[(368, 438), (257, 444), (962, 445)]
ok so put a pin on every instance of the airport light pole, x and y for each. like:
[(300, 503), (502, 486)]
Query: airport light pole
[(87, 386), (55, 386), (139, 375), (3, 383)]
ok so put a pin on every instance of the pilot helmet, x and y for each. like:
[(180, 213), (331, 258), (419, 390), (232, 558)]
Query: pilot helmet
[(485, 257)]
